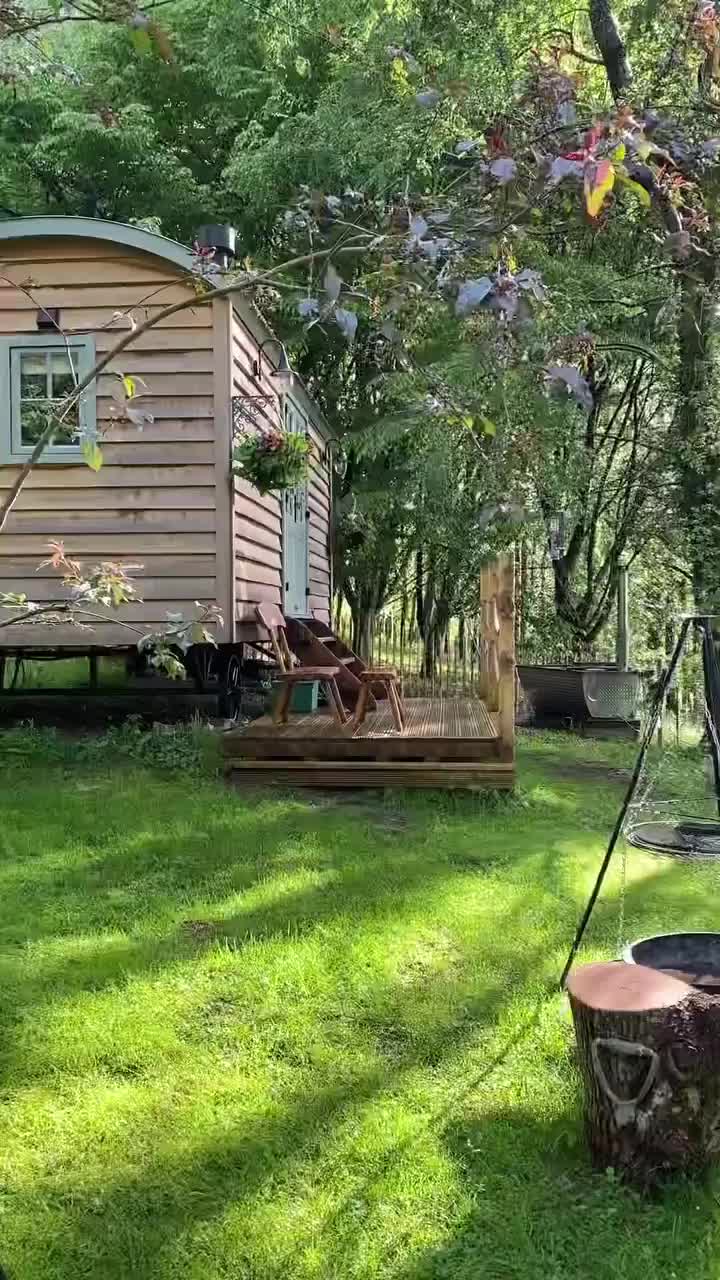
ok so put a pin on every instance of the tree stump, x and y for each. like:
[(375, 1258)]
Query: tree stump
[(649, 1053)]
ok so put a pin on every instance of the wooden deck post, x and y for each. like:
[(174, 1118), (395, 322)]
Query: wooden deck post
[(490, 685), (506, 644), (482, 656), (497, 682)]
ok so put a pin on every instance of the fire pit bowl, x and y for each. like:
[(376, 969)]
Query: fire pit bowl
[(692, 957)]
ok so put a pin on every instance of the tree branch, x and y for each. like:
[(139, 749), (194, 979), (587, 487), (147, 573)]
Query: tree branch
[(612, 47), (570, 46)]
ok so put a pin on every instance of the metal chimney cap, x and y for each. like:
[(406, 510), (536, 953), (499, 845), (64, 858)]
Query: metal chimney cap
[(218, 236)]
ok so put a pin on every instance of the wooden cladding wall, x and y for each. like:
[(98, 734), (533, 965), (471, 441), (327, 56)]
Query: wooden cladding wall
[(257, 519), (155, 500), (258, 530)]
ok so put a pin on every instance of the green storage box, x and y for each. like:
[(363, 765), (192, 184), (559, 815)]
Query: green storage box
[(304, 695)]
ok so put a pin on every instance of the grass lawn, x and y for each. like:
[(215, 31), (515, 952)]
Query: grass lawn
[(67, 673), (254, 1037)]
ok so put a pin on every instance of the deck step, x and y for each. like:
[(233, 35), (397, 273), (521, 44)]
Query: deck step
[(329, 774)]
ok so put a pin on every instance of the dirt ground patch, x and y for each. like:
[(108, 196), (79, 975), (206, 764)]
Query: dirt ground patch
[(585, 771)]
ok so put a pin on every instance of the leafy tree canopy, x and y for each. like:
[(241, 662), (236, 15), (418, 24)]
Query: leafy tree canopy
[(542, 339)]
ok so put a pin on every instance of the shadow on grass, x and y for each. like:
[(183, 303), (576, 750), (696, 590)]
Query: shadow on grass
[(149, 884), (339, 1229), (123, 903), (114, 1226), (539, 1212), (113, 1222)]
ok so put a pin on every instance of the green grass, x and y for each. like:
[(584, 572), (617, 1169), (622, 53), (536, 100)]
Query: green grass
[(66, 673), (254, 1037)]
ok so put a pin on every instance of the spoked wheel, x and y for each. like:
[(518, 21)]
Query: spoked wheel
[(231, 685), (232, 674), (201, 663)]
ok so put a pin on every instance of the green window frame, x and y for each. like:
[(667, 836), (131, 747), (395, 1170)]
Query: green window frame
[(35, 371)]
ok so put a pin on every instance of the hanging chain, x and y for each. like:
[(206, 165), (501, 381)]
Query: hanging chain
[(621, 900), (635, 779)]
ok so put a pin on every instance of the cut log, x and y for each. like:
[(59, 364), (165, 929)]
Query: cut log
[(649, 1054)]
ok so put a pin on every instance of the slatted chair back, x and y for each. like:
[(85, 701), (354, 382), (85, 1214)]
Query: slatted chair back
[(272, 619)]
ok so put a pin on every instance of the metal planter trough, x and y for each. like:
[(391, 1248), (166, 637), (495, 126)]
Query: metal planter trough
[(581, 695), (611, 694)]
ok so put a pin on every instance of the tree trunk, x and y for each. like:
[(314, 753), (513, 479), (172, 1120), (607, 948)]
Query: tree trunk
[(612, 47), (698, 447), (522, 599), (431, 653), (363, 632), (649, 1053)]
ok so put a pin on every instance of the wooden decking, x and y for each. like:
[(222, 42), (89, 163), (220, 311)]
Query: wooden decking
[(446, 743)]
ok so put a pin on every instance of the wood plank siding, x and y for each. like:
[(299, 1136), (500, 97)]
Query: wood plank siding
[(165, 497), (257, 518), (155, 500), (258, 528)]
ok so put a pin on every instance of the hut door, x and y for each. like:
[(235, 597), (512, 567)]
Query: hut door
[(295, 533)]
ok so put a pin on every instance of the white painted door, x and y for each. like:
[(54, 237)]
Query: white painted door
[(295, 531)]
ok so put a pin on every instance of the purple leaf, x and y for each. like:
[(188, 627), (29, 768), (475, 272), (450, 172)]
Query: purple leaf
[(679, 245), (512, 511), (486, 515), (532, 281), (332, 282), (506, 301), (428, 98), (472, 294), (390, 331), (139, 417), (504, 169), (129, 318), (412, 64), (347, 321), (561, 168), (433, 248), (568, 377)]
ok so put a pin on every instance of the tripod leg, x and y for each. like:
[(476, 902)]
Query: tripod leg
[(711, 679)]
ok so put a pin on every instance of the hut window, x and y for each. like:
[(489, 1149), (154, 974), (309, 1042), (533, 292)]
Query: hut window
[(36, 374)]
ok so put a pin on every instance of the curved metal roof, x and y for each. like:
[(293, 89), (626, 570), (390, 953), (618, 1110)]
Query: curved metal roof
[(98, 229)]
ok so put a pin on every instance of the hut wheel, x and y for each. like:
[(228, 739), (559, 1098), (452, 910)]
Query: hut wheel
[(202, 665), (230, 700)]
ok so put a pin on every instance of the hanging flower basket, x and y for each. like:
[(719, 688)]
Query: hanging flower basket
[(272, 460)]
